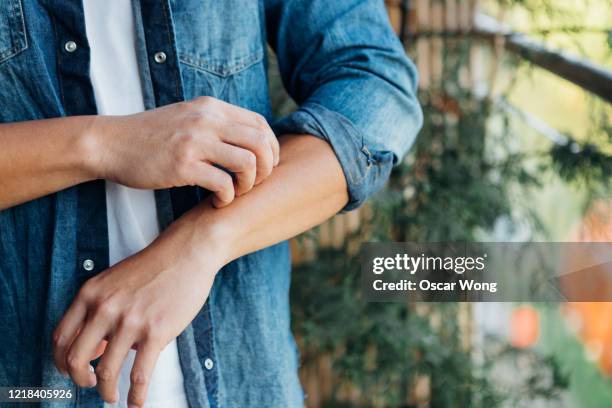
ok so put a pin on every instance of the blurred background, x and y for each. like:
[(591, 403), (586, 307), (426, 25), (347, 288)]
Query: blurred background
[(517, 146)]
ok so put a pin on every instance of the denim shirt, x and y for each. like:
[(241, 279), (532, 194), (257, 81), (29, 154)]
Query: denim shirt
[(355, 88)]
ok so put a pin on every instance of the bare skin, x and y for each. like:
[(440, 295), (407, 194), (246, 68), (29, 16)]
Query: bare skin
[(172, 146), (148, 299)]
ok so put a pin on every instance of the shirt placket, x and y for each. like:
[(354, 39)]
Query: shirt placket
[(77, 96), (73, 58), (164, 78)]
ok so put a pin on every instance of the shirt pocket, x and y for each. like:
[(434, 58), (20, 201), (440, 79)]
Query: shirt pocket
[(13, 37), (217, 41)]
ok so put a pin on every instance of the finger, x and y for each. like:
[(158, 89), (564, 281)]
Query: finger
[(83, 350), (260, 123), (263, 126), (100, 349), (231, 113), (253, 140), (234, 113), (216, 180), (66, 331), (240, 161), (144, 363), (275, 149), (109, 367)]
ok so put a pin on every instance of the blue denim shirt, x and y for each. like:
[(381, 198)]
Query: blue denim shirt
[(355, 88)]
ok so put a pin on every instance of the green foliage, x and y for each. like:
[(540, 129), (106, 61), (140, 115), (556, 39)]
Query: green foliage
[(380, 347), (584, 163), (457, 181), (451, 185), (588, 162), (448, 188)]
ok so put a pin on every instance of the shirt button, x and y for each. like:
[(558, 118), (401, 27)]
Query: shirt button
[(160, 57), (70, 46), (88, 265), (208, 363)]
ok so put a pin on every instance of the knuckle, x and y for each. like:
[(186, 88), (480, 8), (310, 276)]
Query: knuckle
[(104, 373), (205, 99), (151, 325), (87, 292), (152, 331), (138, 377), (131, 322), (262, 123), (73, 361), (183, 108), (248, 161), (184, 154), (196, 123), (184, 144), (106, 308)]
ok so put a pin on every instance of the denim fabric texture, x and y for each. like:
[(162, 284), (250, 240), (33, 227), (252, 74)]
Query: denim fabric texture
[(341, 63)]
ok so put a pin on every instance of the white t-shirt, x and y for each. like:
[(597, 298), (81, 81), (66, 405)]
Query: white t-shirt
[(132, 215)]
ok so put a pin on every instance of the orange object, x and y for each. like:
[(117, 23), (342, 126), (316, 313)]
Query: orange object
[(524, 327), (594, 320)]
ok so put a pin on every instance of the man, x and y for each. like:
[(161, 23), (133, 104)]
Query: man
[(121, 119)]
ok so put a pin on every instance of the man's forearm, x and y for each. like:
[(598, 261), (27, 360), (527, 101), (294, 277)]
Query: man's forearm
[(306, 188), (41, 157), (161, 288), (171, 146)]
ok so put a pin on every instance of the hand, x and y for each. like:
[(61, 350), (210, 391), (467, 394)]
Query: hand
[(181, 144), (143, 303)]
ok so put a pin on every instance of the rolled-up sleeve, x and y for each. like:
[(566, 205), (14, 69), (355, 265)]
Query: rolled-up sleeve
[(343, 65)]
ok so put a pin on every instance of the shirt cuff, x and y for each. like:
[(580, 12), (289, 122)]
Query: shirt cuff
[(365, 170)]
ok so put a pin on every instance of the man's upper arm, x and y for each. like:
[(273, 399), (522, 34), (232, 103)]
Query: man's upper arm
[(346, 69)]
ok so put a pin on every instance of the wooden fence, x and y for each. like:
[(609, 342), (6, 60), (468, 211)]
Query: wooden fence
[(424, 19), (430, 29)]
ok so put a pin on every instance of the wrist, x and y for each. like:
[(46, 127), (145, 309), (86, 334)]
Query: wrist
[(200, 237), (90, 145), (216, 236)]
